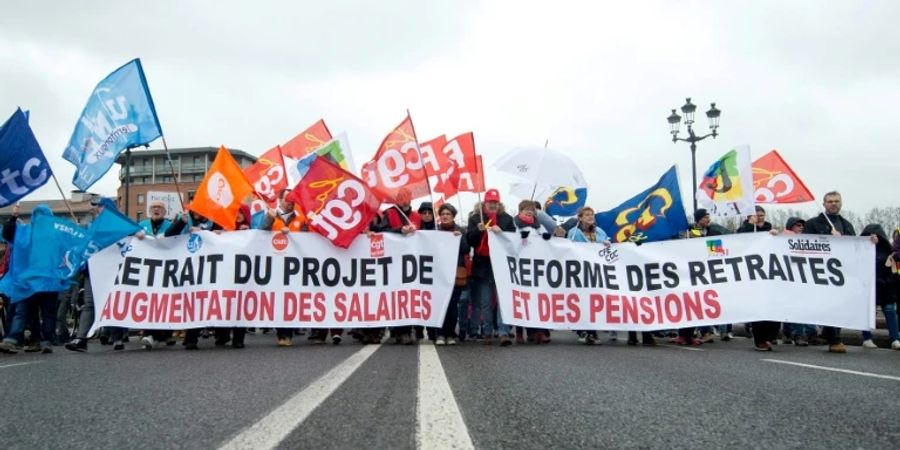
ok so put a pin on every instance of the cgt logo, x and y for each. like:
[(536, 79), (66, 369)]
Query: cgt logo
[(714, 247), (194, 243), (279, 242), (376, 245)]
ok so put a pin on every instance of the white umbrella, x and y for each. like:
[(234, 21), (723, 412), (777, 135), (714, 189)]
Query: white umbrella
[(542, 167)]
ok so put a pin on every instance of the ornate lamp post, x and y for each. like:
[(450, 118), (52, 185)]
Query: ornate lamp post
[(675, 123)]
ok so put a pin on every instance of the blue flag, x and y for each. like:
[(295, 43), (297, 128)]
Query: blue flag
[(565, 202), (118, 115), (653, 215), (46, 255), (22, 162), (109, 227)]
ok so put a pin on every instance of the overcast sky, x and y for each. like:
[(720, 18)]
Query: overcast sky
[(817, 80)]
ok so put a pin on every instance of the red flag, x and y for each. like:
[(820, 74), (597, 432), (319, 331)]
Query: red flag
[(462, 150), (433, 158), (222, 191), (310, 139), (397, 165), (775, 182), (448, 181), (338, 205), (268, 175), (473, 181)]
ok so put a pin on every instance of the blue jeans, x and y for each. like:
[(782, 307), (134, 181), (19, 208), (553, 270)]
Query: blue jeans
[(798, 330), (468, 325), (890, 318), (46, 304), (483, 291)]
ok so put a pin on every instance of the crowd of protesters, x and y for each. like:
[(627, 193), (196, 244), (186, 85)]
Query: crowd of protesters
[(472, 314)]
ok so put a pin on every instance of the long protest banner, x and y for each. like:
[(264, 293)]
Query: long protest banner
[(559, 284), (258, 278)]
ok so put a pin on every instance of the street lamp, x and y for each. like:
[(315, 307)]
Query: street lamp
[(675, 123)]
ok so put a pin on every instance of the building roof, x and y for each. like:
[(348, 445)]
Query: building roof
[(182, 151)]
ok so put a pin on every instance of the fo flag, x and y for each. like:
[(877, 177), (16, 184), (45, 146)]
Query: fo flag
[(397, 165), (339, 205), (119, 114), (775, 182), (22, 162), (222, 191), (656, 214), (726, 189)]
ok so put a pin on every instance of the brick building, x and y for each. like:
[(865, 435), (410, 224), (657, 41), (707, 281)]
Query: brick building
[(150, 171)]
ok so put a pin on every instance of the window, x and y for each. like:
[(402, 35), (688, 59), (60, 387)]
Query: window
[(140, 199), (140, 215), (191, 195), (167, 179)]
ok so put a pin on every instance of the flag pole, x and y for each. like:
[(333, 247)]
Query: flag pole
[(534, 191), (427, 181), (65, 200), (174, 176)]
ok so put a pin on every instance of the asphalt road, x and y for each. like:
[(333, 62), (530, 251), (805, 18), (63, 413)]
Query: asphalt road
[(561, 395)]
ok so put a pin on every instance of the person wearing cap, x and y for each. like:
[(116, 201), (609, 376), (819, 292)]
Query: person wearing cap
[(426, 217), (400, 218), (446, 334), (488, 216), (157, 224)]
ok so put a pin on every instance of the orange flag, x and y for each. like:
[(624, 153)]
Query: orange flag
[(310, 139), (397, 165), (775, 182), (222, 191)]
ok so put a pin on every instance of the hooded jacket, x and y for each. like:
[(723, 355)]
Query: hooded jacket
[(885, 285)]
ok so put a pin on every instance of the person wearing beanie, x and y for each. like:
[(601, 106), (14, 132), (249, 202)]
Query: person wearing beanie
[(446, 334), (488, 216), (426, 216)]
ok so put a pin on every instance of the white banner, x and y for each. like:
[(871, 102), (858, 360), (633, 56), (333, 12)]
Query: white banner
[(559, 284), (262, 279), (170, 199)]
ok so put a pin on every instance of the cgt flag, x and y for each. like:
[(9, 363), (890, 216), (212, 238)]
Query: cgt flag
[(775, 182), (397, 165), (119, 114), (268, 175), (726, 186), (339, 205), (222, 191), (653, 215), (22, 162)]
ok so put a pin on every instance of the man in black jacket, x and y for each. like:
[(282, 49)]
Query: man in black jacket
[(490, 217), (756, 222), (831, 222), (764, 332)]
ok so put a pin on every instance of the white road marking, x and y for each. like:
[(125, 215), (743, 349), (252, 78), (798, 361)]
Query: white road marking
[(20, 364), (269, 431), (439, 423), (681, 347), (834, 369)]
